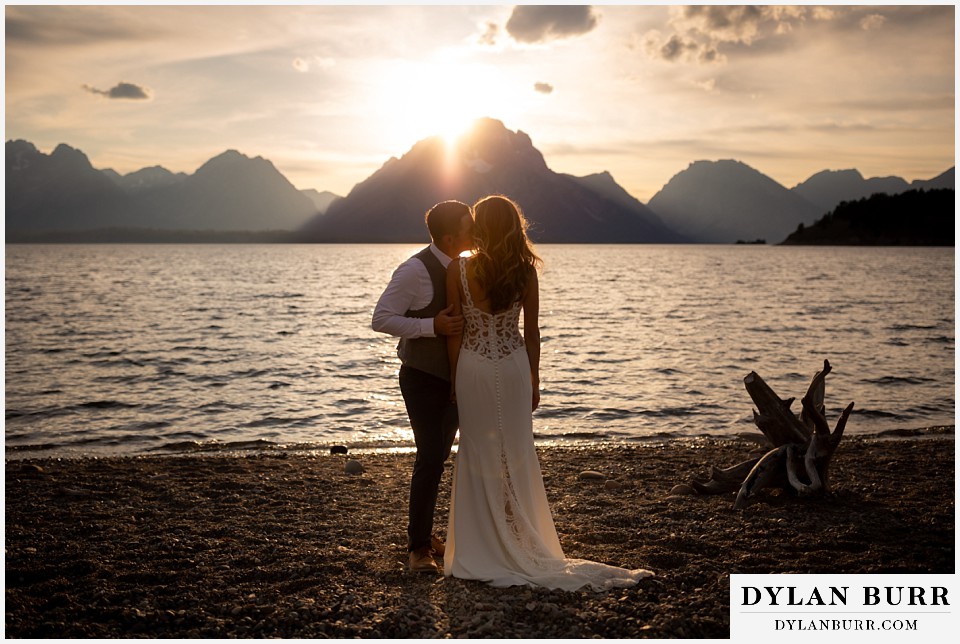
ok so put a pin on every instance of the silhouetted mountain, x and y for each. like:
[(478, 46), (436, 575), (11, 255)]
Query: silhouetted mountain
[(943, 181), (321, 200), (604, 185), (828, 188), (146, 179), (231, 192), (725, 201), (59, 191), (912, 218), (722, 201), (389, 206)]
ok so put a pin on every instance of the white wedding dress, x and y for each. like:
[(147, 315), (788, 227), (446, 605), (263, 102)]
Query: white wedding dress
[(500, 528)]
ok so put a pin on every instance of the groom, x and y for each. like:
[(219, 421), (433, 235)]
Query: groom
[(414, 308)]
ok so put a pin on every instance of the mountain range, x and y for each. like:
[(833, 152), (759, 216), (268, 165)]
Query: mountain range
[(230, 192), (708, 202)]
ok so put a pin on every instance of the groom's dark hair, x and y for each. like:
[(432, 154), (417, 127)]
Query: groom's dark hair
[(444, 218)]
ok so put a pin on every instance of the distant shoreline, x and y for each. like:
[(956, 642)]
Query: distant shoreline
[(154, 236), (160, 237)]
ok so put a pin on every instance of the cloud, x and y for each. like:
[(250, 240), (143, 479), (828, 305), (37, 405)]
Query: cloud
[(699, 32), (122, 91), (55, 26), (873, 21), (741, 24), (711, 33), (490, 34), (674, 48), (678, 47), (543, 88), (542, 23), (303, 66)]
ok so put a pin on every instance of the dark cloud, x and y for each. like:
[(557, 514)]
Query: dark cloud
[(127, 91), (731, 21), (542, 23), (543, 88), (710, 34), (705, 33), (709, 55), (676, 47)]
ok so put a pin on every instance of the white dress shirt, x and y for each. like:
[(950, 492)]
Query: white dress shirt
[(410, 289)]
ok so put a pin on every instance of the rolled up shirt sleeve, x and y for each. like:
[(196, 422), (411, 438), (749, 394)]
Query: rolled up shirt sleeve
[(389, 316)]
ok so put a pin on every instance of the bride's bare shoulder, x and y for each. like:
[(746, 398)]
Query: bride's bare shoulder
[(470, 265)]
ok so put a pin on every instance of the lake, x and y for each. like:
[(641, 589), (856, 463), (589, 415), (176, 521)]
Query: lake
[(138, 349)]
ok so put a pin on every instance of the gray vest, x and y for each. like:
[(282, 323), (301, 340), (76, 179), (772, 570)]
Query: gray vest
[(429, 354)]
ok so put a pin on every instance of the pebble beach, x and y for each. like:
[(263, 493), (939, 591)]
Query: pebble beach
[(275, 544)]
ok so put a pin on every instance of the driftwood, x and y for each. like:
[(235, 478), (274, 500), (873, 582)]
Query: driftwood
[(802, 447)]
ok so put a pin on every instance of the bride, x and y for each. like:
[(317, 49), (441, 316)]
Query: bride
[(500, 528)]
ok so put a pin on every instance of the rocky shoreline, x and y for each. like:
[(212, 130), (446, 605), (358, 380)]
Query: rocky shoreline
[(290, 545)]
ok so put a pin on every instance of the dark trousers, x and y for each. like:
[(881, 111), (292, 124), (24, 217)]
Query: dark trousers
[(434, 421)]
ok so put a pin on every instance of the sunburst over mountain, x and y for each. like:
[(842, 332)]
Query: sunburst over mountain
[(489, 159)]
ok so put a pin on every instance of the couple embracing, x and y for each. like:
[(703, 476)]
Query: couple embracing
[(465, 363)]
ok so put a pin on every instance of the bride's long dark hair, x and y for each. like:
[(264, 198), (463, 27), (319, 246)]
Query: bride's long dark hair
[(505, 259)]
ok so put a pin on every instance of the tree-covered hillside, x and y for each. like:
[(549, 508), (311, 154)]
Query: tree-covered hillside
[(912, 218)]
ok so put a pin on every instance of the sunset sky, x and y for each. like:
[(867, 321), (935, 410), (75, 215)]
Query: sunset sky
[(328, 93)]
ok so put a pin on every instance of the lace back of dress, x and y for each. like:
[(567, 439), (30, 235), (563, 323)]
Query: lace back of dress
[(491, 335)]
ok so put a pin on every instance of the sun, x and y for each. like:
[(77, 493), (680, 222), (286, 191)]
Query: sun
[(439, 98)]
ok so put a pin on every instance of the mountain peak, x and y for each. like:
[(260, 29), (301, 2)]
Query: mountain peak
[(19, 145), (721, 166), (228, 156), (726, 200), (63, 153), (946, 179), (851, 173), (488, 159), (489, 144), (20, 155), (485, 127), (151, 177), (831, 187), (603, 175), (231, 161)]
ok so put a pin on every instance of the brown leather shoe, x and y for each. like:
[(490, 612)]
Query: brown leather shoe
[(421, 560), (437, 546)]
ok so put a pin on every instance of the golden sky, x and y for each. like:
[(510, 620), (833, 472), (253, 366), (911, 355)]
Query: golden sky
[(328, 93)]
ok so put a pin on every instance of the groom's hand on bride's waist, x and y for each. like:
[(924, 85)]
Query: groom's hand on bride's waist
[(446, 323)]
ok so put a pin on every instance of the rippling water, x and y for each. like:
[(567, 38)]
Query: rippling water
[(132, 349)]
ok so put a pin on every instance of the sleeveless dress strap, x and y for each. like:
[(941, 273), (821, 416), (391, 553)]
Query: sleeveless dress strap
[(463, 281)]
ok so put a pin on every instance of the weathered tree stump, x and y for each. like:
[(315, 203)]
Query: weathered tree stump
[(803, 447)]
